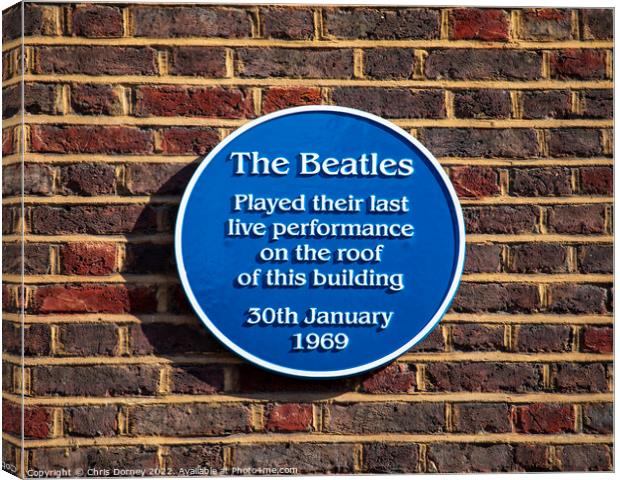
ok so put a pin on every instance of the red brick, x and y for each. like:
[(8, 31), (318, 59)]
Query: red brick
[(580, 377), (543, 338), (180, 420), (575, 142), (393, 102), (170, 101), (546, 24), (576, 219), (495, 297), (546, 104), (88, 339), (189, 140), (96, 60), (483, 258), (483, 64), (597, 339), (388, 63), (585, 64), (287, 23), (96, 220), (382, 23), (88, 179), (289, 417), (595, 258), (198, 61), (475, 181), (544, 418), (94, 299), (537, 258), (197, 380), (480, 142), (597, 180), (478, 338), (462, 458), (37, 420), (482, 418), (96, 99), (479, 24), (580, 458), (598, 418), (390, 458), (395, 378), (483, 377), (8, 141), (191, 21), (597, 23), (294, 62), (367, 417), (576, 298), (277, 98), (91, 421), (90, 139), (97, 21), (535, 182)]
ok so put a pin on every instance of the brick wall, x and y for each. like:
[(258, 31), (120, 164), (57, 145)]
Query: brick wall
[(122, 102)]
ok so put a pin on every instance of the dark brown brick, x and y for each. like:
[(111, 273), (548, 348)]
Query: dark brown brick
[(598, 103), (482, 64), (537, 258), (197, 380), (90, 139), (595, 258), (166, 338), (482, 418), (468, 142), (195, 457), (546, 24), (189, 140), (198, 61), (532, 458), (390, 458), (36, 22), (395, 378), (277, 98), (191, 21), (495, 297), (598, 418), (388, 63), (100, 458), (575, 142), (477, 337), (97, 380), (377, 417), (304, 457), (91, 421), (483, 258), (39, 98), (597, 180), (585, 64), (37, 339), (585, 458), (158, 178), (382, 23), (88, 339), (475, 181), (295, 63), (149, 258), (89, 179), (545, 418), (597, 24), (577, 298), (543, 338), (482, 104), (97, 21), (546, 104), (180, 420), (580, 377), (484, 377), (36, 258), (597, 339), (576, 219), (501, 219), (536, 182), (96, 60), (96, 99), (106, 219), (479, 24), (252, 379), (393, 102), (289, 417), (454, 457), (433, 342), (287, 23)]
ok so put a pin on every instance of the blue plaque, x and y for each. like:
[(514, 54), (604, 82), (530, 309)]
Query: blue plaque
[(320, 241)]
